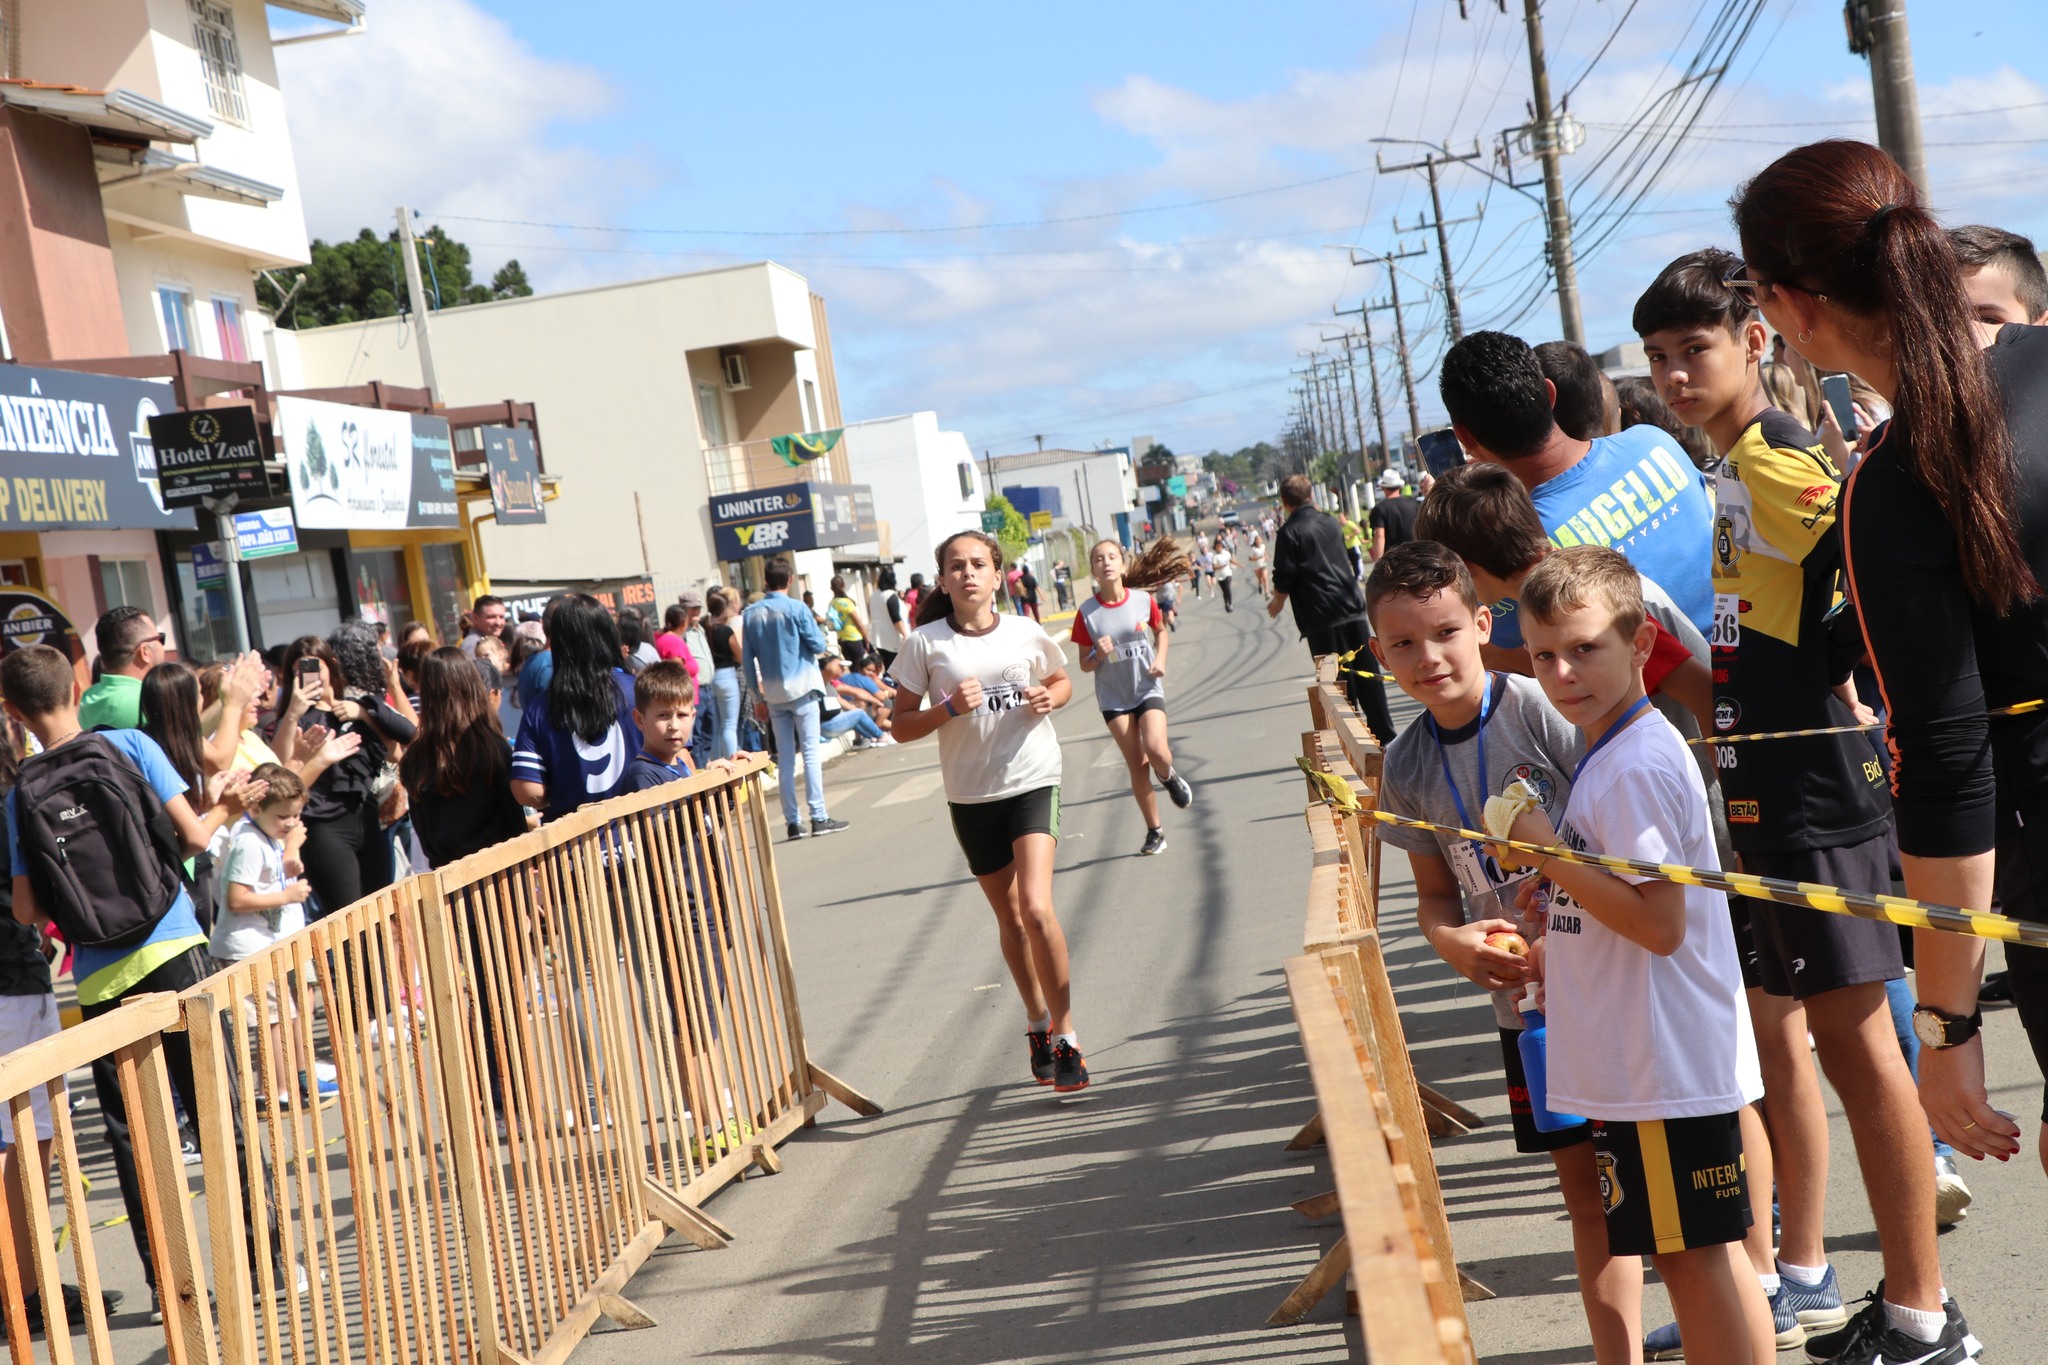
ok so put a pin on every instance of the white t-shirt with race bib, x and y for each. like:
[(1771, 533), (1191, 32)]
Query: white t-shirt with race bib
[(1002, 748)]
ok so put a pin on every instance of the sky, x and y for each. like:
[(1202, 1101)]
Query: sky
[(1090, 224)]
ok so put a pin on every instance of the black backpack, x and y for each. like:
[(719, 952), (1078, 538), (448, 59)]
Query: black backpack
[(103, 855)]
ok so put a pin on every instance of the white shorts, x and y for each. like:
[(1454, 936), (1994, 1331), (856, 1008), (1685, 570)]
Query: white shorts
[(23, 1020)]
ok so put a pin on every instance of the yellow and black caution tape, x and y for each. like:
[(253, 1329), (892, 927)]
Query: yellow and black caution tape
[(2016, 709), (1832, 899)]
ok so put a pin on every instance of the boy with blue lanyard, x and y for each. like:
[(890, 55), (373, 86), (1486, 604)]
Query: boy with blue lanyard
[(1482, 732)]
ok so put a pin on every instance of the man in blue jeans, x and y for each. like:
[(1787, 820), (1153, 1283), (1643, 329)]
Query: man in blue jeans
[(779, 647)]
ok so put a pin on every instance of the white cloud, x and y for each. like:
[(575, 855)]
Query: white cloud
[(441, 107)]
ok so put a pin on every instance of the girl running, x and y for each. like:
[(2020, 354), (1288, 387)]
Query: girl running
[(1259, 572), (994, 682), (1122, 637)]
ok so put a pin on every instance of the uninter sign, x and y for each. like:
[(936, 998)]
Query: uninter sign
[(798, 516), (76, 452)]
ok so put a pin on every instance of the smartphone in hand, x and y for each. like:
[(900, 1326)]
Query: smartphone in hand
[(1835, 388)]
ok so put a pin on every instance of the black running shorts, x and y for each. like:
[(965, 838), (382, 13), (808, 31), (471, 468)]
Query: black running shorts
[(1801, 952), (1671, 1185), (2023, 894), (988, 830), (1149, 704), (1528, 1137)]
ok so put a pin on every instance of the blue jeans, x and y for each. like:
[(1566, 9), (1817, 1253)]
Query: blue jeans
[(796, 729), (860, 722), (725, 690), (1900, 996)]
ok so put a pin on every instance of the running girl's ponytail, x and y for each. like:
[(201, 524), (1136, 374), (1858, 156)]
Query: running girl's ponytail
[(1840, 219), (935, 605), (1164, 560)]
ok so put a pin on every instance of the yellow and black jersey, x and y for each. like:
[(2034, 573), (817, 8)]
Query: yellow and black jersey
[(1777, 571)]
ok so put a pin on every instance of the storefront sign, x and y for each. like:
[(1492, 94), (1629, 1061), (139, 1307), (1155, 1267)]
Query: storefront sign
[(515, 476), (845, 512), (615, 593), (76, 454), (210, 453), (28, 618), (265, 532), (1177, 486), (208, 569), (366, 469), (798, 516)]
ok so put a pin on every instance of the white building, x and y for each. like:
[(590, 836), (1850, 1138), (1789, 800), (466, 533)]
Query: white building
[(927, 485), (1098, 488)]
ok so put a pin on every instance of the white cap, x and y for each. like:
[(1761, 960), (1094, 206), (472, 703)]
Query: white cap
[(1391, 478)]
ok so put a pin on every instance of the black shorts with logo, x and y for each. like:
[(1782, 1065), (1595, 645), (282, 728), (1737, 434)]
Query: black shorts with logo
[(988, 830), (1801, 952), (1528, 1137), (1672, 1185)]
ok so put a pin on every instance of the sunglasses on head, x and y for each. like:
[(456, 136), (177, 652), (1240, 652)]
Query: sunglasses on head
[(1738, 281)]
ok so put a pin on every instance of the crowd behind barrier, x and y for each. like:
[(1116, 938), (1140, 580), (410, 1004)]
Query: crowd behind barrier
[(548, 1056)]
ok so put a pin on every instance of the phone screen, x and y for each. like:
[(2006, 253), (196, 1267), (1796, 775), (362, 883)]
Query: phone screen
[(1835, 388)]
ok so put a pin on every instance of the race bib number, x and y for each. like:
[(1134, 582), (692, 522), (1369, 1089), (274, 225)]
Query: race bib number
[(1481, 875), (1726, 631)]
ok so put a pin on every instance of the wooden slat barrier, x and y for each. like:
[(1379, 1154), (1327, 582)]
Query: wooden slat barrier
[(1344, 968), (548, 1056)]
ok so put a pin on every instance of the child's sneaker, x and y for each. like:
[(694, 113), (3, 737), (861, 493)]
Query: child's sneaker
[(1069, 1068), (1662, 1344), (1177, 787), (1819, 1306), (1041, 1056)]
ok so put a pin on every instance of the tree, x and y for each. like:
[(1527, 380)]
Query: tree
[(364, 277), (1015, 536)]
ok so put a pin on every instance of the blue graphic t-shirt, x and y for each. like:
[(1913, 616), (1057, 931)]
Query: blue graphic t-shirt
[(574, 772), (1635, 492)]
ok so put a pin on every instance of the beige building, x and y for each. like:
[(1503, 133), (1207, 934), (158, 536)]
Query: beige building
[(654, 395)]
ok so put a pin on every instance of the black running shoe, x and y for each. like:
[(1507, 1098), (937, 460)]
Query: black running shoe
[(821, 828), (1177, 787), (74, 1308), (796, 831), (1870, 1339), (1041, 1056), (1069, 1068), (1155, 842)]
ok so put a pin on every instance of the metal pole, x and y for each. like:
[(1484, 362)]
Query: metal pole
[(1545, 135), (418, 294), (223, 510), (1893, 90)]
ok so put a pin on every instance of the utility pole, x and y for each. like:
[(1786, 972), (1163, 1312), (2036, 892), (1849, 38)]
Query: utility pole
[(1547, 138), (1387, 259), (1430, 164), (1372, 364), (418, 294), (1877, 30)]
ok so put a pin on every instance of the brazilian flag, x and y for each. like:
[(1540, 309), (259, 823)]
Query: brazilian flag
[(802, 449)]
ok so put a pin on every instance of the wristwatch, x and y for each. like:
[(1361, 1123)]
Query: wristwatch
[(1939, 1029)]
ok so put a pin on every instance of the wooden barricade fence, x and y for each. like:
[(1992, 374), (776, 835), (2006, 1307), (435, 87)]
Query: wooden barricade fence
[(1372, 1114), (545, 1058)]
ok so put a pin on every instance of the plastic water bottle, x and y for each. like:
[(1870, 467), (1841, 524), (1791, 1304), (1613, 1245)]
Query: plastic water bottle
[(1534, 1043)]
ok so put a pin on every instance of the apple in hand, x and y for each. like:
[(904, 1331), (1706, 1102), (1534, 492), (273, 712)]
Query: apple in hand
[(1508, 941)]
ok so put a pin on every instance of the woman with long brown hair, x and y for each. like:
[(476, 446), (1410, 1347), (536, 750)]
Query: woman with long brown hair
[(458, 769), (1843, 257)]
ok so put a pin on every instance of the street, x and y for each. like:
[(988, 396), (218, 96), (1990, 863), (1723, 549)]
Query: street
[(982, 1219)]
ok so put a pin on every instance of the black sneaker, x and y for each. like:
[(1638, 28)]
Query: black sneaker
[(1069, 1068), (796, 831), (74, 1308), (1155, 842), (1041, 1056), (1177, 787), (821, 828), (1870, 1339)]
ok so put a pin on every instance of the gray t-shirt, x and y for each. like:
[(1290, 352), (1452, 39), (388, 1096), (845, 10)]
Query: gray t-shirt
[(1124, 682), (1525, 739)]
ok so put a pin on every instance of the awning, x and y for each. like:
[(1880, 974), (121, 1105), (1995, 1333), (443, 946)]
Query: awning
[(802, 449), (120, 112), (194, 178), (341, 11)]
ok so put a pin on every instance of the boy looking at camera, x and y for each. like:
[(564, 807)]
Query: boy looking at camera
[(665, 709), (1649, 1035), (1483, 731)]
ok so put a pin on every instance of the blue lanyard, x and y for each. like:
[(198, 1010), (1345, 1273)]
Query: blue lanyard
[(1612, 731), (1436, 732)]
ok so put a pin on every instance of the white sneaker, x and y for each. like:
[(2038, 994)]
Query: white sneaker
[(1951, 1195)]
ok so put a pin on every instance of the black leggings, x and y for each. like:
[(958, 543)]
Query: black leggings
[(347, 857)]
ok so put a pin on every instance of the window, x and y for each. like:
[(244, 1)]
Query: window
[(811, 407), (711, 414), (174, 307), (227, 322), (126, 584), (966, 481), (220, 57)]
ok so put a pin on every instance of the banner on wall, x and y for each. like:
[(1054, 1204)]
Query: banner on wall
[(515, 476), (366, 469), (76, 453)]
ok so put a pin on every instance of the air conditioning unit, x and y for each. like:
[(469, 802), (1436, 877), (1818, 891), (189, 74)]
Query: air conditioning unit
[(735, 370)]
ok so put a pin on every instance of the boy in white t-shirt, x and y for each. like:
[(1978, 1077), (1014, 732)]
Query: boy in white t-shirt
[(1649, 1033), (261, 902)]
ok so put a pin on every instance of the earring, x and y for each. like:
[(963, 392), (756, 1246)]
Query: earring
[(1805, 336)]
